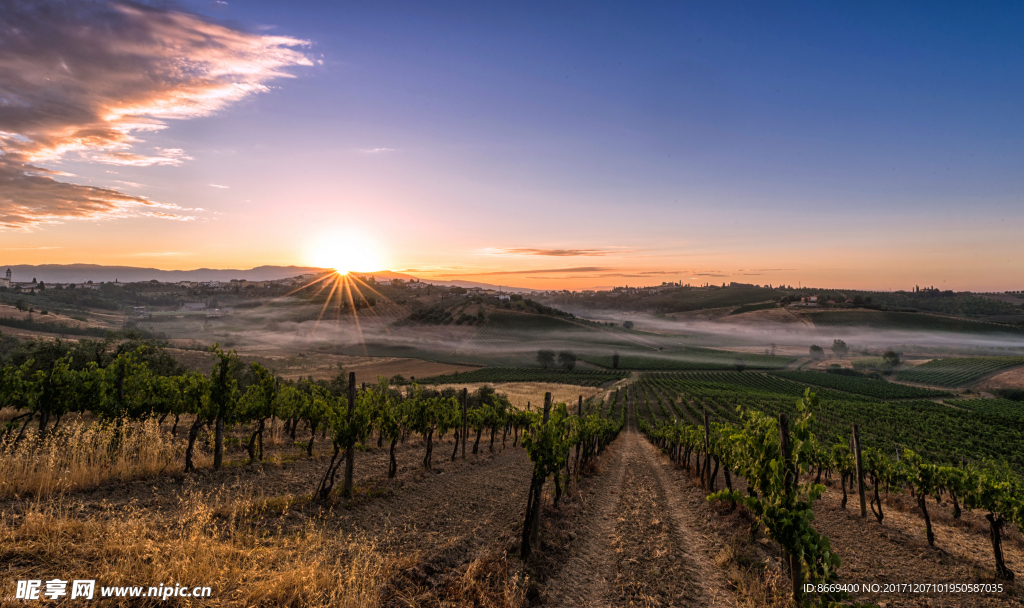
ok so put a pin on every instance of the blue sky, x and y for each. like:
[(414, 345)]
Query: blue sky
[(681, 138)]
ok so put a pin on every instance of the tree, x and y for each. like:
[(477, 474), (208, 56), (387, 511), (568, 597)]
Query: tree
[(628, 324), (892, 358), (839, 348), (546, 358), (567, 359), (615, 361), (817, 352), (739, 364)]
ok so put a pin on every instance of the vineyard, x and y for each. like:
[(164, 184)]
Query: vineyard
[(526, 374), (921, 425), (1011, 412), (91, 419), (954, 372), (753, 307), (782, 461), (841, 322), (692, 359), (879, 389)]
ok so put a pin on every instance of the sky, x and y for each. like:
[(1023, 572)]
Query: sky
[(862, 145)]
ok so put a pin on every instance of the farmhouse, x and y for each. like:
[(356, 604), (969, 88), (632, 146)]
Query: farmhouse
[(6, 281)]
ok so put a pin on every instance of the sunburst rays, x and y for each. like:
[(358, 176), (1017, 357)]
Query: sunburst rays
[(345, 294)]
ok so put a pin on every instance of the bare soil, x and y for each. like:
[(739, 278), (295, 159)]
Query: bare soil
[(1013, 378)]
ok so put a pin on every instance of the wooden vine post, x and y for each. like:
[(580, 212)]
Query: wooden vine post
[(465, 420), (860, 469), (706, 470), (795, 571), (350, 447)]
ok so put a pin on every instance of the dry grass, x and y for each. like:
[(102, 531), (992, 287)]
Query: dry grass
[(244, 564), (82, 455), (521, 393)]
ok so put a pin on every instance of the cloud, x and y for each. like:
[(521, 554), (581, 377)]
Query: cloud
[(170, 156), (28, 248), (88, 78), (377, 150), (30, 196), (559, 252), (534, 271), (218, 186)]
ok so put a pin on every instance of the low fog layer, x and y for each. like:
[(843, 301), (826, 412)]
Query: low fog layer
[(654, 337)]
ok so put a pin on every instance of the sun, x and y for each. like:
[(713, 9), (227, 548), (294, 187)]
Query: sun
[(346, 252)]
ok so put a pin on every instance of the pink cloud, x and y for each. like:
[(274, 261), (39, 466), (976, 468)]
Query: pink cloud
[(89, 77)]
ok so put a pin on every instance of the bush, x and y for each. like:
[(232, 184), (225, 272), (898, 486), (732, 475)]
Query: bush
[(1013, 394)]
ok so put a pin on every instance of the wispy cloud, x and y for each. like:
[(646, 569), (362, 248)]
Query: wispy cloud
[(376, 150), (169, 156), (557, 252), (531, 271), (28, 248), (161, 254), (168, 216), (218, 186), (88, 77)]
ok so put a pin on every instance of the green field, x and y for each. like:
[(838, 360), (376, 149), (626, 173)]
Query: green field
[(880, 389), (691, 359), (753, 307), (956, 371), (520, 374), (838, 321)]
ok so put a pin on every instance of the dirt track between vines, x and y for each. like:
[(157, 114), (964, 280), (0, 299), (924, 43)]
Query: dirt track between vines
[(640, 538)]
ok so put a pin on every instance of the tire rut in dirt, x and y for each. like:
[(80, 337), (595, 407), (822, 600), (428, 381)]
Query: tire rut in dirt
[(585, 579), (655, 564)]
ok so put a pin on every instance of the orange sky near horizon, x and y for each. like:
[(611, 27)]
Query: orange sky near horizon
[(575, 266)]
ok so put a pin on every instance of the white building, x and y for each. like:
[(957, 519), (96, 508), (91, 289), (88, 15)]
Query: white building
[(6, 281)]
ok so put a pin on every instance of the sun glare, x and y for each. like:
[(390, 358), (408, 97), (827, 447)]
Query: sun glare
[(346, 253)]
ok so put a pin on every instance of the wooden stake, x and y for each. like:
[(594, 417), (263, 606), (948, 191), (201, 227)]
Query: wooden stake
[(350, 449), (706, 469), (860, 469)]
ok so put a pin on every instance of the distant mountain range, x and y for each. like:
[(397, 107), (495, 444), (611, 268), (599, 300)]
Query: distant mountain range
[(80, 273)]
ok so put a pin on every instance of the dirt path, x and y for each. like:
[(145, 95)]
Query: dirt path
[(640, 539)]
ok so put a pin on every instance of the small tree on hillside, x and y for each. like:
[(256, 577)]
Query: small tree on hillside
[(739, 364), (615, 361), (546, 358), (628, 324), (892, 358), (817, 352), (567, 359), (839, 348)]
